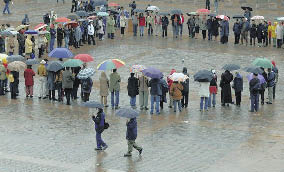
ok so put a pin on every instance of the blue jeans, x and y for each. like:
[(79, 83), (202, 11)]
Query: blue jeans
[(155, 98), (180, 29), (175, 105), (133, 101), (51, 44), (209, 35), (216, 3), (175, 30), (254, 102), (141, 30), (135, 29), (6, 8), (116, 94), (66, 40), (100, 142), (205, 104), (213, 100)]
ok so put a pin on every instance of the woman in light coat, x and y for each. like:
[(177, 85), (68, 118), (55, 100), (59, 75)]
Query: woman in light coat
[(122, 21), (101, 28), (11, 45), (110, 27), (104, 85), (42, 41), (279, 34), (28, 46), (204, 94)]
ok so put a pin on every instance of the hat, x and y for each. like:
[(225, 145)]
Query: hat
[(43, 62), (213, 71)]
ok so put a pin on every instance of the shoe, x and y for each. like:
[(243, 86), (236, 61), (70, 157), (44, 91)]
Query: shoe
[(175, 111), (44, 97), (105, 147), (127, 155), (213, 106), (146, 108), (269, 103), (39, 97), (112, 107), (262, 103), (116, 107), (251, 111), (98, 149), (27, 96), (68, 104), (140, 151), (31, 96)]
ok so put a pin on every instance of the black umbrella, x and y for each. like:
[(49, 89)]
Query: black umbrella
[(176, 11), (253, 69), (138, 11), (249, 8), (72, 17), (231, 67), (54, 66), (238, 17), (164, 13), (203, 76), (82, 13)]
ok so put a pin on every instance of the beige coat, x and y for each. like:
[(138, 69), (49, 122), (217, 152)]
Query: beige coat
[(11, 45), (176, 91), (28, 45), (104, 85), (143, 83)]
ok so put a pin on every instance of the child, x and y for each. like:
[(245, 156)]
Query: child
[(100, 126), (131, 135)]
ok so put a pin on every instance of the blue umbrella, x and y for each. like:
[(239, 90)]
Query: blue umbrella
[(54, 66), (61, 53), (86, 73), (152, 73), (203, 76), (92, 104), (31, 32), (32, 62), (13, 58), (127, 113)]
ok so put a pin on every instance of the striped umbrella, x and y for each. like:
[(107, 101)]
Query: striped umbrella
[(86, 73), (110, 64), (137, 68)]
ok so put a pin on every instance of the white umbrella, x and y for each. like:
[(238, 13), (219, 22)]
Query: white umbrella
[(280, 19), (257, 18), (153, 8), (178, 77)]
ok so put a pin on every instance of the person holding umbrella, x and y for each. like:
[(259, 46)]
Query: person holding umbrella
[(114, 87), (237, 31), (86, 85), (67, 83), (143, 92), (3, 71), (131, 135), (99, 120), (254, 93), (29, 46), (247, 14), (51, 85), (165, 23), (156, 92), (142, 23), (204, 95), (176, 93), (244, 31), (238, 87), (213, 88), (226, 95)]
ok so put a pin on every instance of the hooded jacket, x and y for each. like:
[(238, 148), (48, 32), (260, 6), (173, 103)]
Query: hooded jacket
[(238, 83)]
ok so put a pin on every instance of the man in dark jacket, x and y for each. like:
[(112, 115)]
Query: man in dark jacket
[(209, 27), (270, 85), (238, 87), (263, 86), (6, 7), (21, 41), (185, 91), (254, 93), (131, 135), (237, 31), (100, 126), (132, 88), (226, 94), (52, 37), (67, 83), (86, 85), (265, 34), (252, 33), (60, 33), (165, 23), (156, 92), (244, 31), (259, 32)]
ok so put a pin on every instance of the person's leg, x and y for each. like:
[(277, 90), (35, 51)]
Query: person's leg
[(214, 100), (175, 105), (116, 98), (179, 106), (209, 100), (99, 140), (256, 102), (31, 91), (183, 100), (158, 99), (274, 89), (112, 99), (262, 96), (206, 103), (270, 94), (136, 146), (166, 31), (131, 101), (130, 146), (134, 101), (201, 103), (252, 102), (146, 96), (152, 104), (27, 91), (141, 99)]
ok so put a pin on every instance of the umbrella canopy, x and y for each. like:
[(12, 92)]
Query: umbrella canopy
[(164, 13), (259, 76), (152, 73), (139, 10), (102, 14), (112, 4), (262, 62), (62, 20), (3, 58), (40, 26), (110, 64), (54, 66), (72, 63), (86, 73), (31, 32), (17, 66), (203, 11), (61, 53), (82, 13), (6, 33), (43, 32), (254, 69), (238, 17), (249, 8), (21, 27), (257, 18), (280, 18), (176, 11), (32, 62), (72, 17), (203, 76), (92, 17), (127, 113), (72, 23), (222, 17), (137, 68), (13, 58), (100, 3), (92, 104), (153, 8), (84, 57), (191, 14), (231, 67), (178, 77)]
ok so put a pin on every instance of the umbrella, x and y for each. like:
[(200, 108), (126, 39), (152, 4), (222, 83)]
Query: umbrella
[(191, 13), (127, 113), (203, 11), (222, 17), (10, 29), (176, 11), (139, 10), (257, 18), (262, 62), (86, 73), (72, 17), (82, 13), (112, 4), (54, 66), (253, 69), (137, 68), (32, 62), (17, 66), (62, 20), (110, 64), (280, 18), (84, 57), (249, 8), (203, 76), (61, 53), (72, 63), (231, 67), (164, 13), (43, 32), (238, 17), (40, 26), (6, 33), (31, 32), (72, 23), (152, 73), (21, 27), (92, 104), (3, 58), (259, 76), (92, 17), (102, 14), (100, 3), (178, 77), (153, 8), (13, 58)]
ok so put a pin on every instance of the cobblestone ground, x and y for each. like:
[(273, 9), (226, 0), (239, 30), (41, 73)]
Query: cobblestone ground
[(39, 135)]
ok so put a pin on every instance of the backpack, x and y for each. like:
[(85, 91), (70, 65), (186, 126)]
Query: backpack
[(85, 84)]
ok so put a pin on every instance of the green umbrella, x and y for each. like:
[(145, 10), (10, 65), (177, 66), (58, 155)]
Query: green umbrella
[(262, 62), (72, 63)]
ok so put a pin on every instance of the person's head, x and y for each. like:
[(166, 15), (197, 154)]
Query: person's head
[(8, 25), (114, 70), (29, 66), (84, 65), (100, 110), (67, 68), (43, 62), (133, 2), (255, 75), (52, 26), (269, 69), (237, 21), (132, 74), (184, 70)]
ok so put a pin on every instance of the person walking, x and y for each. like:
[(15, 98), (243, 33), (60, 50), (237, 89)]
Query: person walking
[(91, 33), (110, 27), (135, 23), (175, 20), (176, 93), (6, 7), (51, 85), (270, 85), (279, 34), (204, 95), (275, 70), (238, 87), (114, 88), (237, 31), (67, 83), (253, 33), (216, 5), (265, 34), (143, 92), (142, 24), (29, 81), (86, 85), (41, 71), (259, 32), (100, 30), (165, 23), (254, 86), (197, 26), (104, 86), (3, 71), (58, 84), (99, 120), (191, 26), (78, 36), (156, 92), (21, 41), (122, 21), (213, 89), (185, 91), (131, 135), (247, 14), (226, 95), (132, 88)]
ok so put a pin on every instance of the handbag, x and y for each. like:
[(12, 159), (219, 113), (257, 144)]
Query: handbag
[(106, 125)]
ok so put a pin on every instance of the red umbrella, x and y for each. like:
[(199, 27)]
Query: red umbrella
[(72, 23), (112, 4), (203, 11), (62, 20), (223, 17), (40, 26), (84, 57)]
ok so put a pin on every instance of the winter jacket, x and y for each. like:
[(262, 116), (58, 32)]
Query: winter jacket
[(165, 21), (91, 29), (50, 80), (142, 21), (245, 27), (104, 85), (99, 122), (132, 86), (29, 77), (204, 89), (237, 28), (176, 91), (271, 79), (3, 71), (253, 33), (259, 31), (150, 21), (215, 27), (238, 83), (156, 87), (87, 85), (279, 31), (135, 20), (78, 34), (209, 24), (67, 80), (52, 33), (21, 39), (100, 27), (247, 15), (131, 133), (191, 22), (175, 19), (26, 20), (185, 84), (254, 86), (114, 82), (110, 25), (10, 45), (41, 71), (60, 33), (224, 28), (143, 83), (272, 29)]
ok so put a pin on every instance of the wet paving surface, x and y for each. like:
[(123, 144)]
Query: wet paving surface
[(39, 135)]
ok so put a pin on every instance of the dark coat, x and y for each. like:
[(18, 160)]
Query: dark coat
[(131, 133), (226, 94), (165, 21), (132, 86), (224, 28), (271, 79), (237, 28), (254, 86), (259, 31), (185, 84), (209, 24), (215, 28), (165, 89), (238, 83), (253, 31), (60, 33), (52, 33), (99, 122), (156, 87), (87, 85)]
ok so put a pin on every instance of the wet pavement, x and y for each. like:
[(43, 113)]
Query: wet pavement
[(39, 135)]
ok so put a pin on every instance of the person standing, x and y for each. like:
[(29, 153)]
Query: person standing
[(185, 91), (265, 34), (259, 32), (181, 24), (204, 95), (60, 36), (150, 24), (99, 120), (100, 28), (104, 86), (237, 31), (52, 37), (66, 36), (11, 45), (279, 34), (275, 70), (58, 84), (3, 71), (170, 82), (28, 46), (273, 33), (224, 31), (253, 33), (210, 28), (208, 4), (254, 93), (123, 21), (78, 36), (41, 71), (156, 92), (86, 85), (238, 87), (76, 83), (176, 93), (135, 23), (143, 92), (42, 41), (67, 83), (6, 7), (244, 31), (158, 24), (226, 95), (91, 33), (51, 85), (175, 20), (132, 88), (165, 90), (142, 23), (263, 86), (21, 42), (203, 27), (13, 84), (114, 88), (110, 27), (29, 81), (74, 6), (247, 14), (216, 5), (191, 26), (165, 23), (197, 26), (270, 85), (131, 135), (213, 88)]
